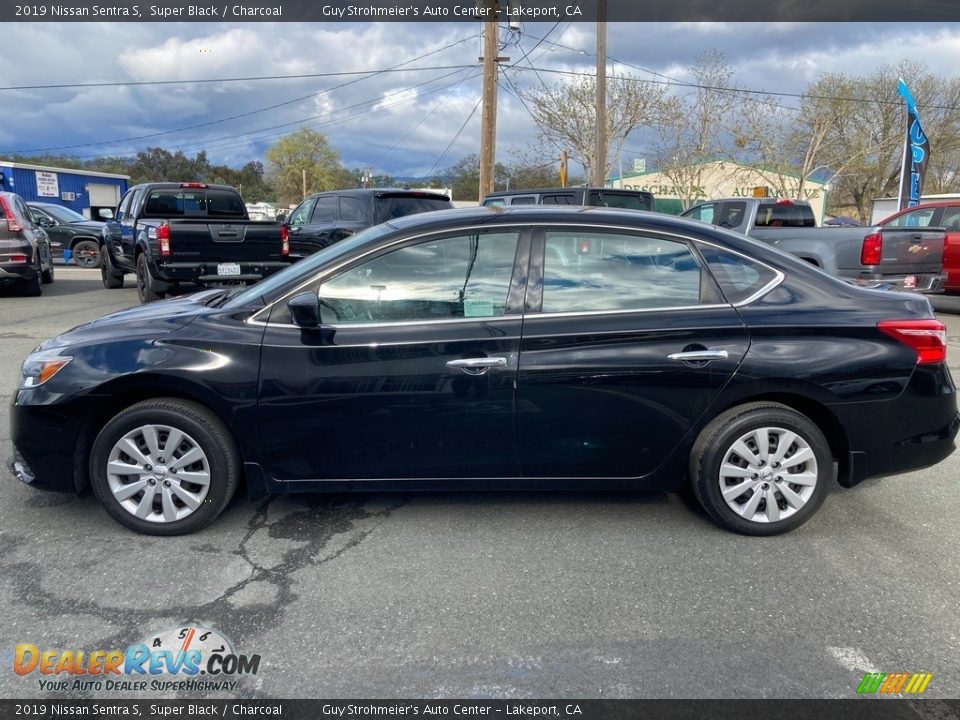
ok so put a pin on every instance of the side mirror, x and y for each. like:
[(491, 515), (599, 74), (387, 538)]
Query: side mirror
[(281, 217), (45, 222), (305, 310)]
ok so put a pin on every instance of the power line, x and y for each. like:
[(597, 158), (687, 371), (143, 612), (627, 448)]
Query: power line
[(450, 144), (371, 74)]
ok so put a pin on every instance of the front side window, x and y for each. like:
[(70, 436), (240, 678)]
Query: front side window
[(465, 276), (589, 271), (124, 206), (301, 216), (524, 200)]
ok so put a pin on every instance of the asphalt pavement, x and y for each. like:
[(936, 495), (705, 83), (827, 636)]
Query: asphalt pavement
[(521, 595)]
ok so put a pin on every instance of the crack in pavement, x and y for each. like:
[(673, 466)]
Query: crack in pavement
[(317, 524)]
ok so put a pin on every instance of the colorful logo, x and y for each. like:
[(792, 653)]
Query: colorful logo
[(894, 683), (185, 652)]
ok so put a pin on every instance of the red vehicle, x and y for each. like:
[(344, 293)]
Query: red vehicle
[(944, 214)]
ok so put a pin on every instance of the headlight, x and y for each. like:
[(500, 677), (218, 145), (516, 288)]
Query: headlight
[(41, 366)]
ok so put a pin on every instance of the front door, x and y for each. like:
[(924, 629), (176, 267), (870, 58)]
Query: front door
[(625, 343), (412, 374)]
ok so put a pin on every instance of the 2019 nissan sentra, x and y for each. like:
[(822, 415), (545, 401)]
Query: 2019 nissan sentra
[(523, 348)]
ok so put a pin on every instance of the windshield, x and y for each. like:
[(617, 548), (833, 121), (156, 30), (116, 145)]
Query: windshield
[(64, 215), (277, 284)]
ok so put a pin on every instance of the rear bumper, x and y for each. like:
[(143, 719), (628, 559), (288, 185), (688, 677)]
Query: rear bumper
[(207, 273), (15, 272), (914, 431), (921, 282)]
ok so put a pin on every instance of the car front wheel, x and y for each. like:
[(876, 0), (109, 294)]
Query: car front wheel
[(164, 467), (761, 469)]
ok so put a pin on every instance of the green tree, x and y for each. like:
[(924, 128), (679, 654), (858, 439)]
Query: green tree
[(304, 151), (463, 178)]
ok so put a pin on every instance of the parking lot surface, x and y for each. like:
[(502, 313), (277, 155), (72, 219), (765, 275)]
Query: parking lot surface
[(479, 595)]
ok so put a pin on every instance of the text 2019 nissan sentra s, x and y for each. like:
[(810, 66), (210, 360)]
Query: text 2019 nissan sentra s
[(578, 348)]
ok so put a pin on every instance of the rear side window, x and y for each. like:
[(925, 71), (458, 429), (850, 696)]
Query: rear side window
[(589, 271), (731, 215), (351, 209), (738, 277), (524, 200), (559, 200), (394, 206), (628, 201), (784, 215)]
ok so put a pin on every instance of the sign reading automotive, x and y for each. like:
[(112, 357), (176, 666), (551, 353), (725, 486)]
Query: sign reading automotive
[(47, 185)]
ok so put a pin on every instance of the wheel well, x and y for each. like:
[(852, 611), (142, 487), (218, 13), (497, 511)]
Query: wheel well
[(83, 238), (116, 404), (822, 417)]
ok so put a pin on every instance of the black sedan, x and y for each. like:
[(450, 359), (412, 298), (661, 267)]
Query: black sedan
[(522, 348)]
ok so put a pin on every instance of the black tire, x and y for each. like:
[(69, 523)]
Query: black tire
[(197, 422), (714, 445), (34, 287), (47, 275), (86, 254), (144, 282), (112, 280)]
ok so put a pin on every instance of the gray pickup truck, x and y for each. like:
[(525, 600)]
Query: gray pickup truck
[(908, 258)]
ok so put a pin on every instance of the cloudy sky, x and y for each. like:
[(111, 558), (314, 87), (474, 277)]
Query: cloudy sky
[(398, 123)]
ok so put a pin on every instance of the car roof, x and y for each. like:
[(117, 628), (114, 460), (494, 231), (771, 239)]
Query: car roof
[(928, 205), (383, 191), (531, 191)]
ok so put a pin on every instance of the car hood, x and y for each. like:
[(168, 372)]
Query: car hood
[(87, 225), (155, 319)]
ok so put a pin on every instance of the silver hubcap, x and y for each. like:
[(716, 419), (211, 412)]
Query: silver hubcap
[(158, 473), (768, 474)]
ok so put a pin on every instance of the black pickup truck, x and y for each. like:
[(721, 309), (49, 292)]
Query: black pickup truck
[(172, 234)]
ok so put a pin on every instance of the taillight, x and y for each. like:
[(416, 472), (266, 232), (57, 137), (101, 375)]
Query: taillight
[(284, 240), (13, 225), (872, 250), (163, 240), (17, 259), (927, 337)]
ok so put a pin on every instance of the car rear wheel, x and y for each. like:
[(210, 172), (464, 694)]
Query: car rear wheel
[(761, 469), (34, 286), (164, 467), (145, 282), (112, 279), (86, 254)]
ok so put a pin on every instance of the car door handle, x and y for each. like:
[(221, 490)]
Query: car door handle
[(477, 366), (699, 355)]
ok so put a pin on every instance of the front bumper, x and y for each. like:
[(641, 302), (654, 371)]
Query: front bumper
[(47, 452)]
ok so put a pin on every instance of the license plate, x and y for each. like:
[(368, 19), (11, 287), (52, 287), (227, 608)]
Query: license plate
[(910, 282), (228, 269)]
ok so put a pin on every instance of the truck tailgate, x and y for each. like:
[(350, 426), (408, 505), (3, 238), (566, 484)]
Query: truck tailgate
[(911, 250), (229, 241)]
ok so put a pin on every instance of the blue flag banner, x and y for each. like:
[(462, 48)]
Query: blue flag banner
[(916, 153)]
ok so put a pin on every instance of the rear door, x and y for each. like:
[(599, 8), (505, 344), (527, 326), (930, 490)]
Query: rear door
[(951, 255), (626, 341)]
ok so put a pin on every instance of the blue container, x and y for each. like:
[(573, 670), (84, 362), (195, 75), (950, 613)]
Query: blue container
[(67, 256)]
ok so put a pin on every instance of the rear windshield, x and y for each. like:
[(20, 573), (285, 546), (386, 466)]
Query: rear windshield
[(194, 203), (784, 215), (629, 201), (395, 206)]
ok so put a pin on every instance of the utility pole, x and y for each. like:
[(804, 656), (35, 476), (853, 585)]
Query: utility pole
[(488, 120), (304, 171), (600, 166)]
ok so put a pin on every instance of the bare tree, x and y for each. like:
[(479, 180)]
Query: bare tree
[(566, 114)]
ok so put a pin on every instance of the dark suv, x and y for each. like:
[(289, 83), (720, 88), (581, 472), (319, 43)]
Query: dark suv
[(591, 196), (69, 230), (25, 256), (328, 217)]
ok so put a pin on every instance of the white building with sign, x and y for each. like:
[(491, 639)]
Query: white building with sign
[(720, 179)]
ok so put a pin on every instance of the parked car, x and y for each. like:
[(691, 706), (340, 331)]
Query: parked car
[(904, 258), (69, 230), (323, 219), (940, 214), (483, 348), (25, 257), (176, 234), (593, 196)]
